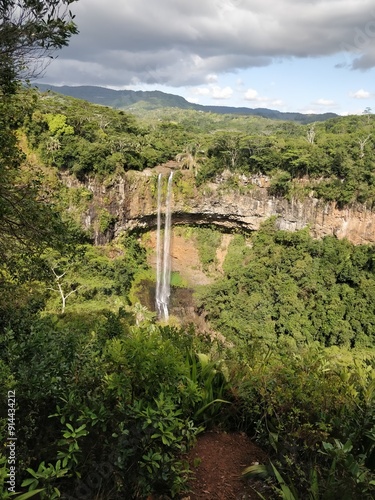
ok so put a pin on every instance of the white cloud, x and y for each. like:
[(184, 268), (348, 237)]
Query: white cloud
[(201, 91), (221, 92), (194, 100), (213, 91), (320, 106), (253, 96), (211, 78), (360, 94)]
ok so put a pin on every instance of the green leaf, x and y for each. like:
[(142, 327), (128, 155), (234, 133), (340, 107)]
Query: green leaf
[(29, 481), (204, 408), (33, 473), (287, 493), (256, 470), (314, 485)]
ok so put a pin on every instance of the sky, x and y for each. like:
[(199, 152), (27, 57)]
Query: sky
[(310, 56)]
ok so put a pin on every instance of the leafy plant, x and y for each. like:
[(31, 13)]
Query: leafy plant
[(206, 375), (70, 443), (46, 476), (348, 476), (155, 436), (285, 491)]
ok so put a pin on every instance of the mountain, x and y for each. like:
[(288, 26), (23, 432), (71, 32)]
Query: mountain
[(155, 99)]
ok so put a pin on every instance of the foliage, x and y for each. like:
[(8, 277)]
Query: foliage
[(288, 284), (158, 435), (333, 163), (305, 404), (208, 377), (208, 241), (29, 218), (94, 140), (31, 31), (45, 475)]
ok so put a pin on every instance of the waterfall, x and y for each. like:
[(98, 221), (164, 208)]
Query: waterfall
[(163, 258), (158, 252)]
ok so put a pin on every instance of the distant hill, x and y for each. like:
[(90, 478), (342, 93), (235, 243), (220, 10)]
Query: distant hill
[(126, 99)]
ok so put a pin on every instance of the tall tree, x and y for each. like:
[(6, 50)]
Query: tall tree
[(30, 30)]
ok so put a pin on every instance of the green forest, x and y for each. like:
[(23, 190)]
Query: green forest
[(100, 399)]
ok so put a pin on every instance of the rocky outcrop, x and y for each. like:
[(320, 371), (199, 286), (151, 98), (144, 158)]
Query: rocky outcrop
[(131, 201)]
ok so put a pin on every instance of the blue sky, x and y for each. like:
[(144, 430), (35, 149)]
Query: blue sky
[(290, 55), (311, 85)]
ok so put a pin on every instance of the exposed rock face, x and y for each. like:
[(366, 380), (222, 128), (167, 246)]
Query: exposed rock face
[(132, 203)]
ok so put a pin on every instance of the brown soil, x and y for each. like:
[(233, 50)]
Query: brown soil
[(222, 458)]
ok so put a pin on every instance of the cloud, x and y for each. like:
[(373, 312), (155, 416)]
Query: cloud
[(205, 91), (213, 91), (178, 43), (221, 93), (252, 95), (360, 94), (211, 78), (324, 102)]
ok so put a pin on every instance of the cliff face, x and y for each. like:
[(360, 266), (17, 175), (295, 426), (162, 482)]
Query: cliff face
[(132, 203)]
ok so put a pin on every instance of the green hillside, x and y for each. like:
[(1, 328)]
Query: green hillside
[(139, 101)]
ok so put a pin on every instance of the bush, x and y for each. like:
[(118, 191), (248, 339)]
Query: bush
[(304, 404)]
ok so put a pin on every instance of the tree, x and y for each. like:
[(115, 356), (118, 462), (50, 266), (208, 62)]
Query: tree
[(310, 135), (30, 30), (367, 112), (65, 278), (61, 285), (362, 143), (191, 157)]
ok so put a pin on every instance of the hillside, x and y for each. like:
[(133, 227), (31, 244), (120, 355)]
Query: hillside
[(151, 100)]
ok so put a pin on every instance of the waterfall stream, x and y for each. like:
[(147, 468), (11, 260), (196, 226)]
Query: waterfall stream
[(163, 246)]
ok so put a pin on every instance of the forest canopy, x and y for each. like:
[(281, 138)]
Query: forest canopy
[(334, 159)]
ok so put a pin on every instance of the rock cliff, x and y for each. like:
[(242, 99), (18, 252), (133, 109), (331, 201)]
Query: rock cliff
[(131, 203)]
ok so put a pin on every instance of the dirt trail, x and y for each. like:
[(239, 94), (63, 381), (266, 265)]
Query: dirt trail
[(222, 458)]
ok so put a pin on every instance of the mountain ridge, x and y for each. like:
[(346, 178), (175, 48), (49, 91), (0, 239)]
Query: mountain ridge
[(156, 99)]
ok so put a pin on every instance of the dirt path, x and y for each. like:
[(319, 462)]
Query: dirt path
[(222, 458)]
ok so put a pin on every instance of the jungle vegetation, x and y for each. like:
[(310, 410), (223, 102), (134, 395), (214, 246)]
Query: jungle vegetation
[(108, 399)]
